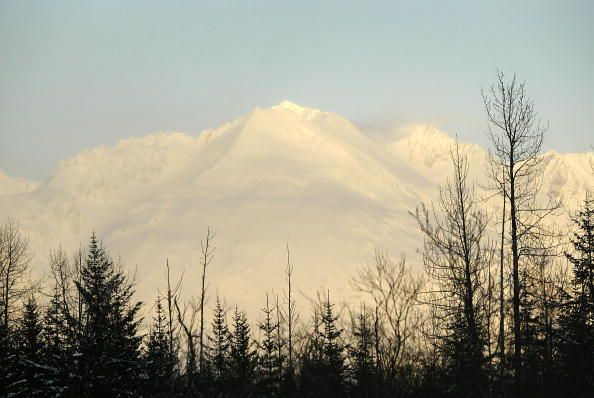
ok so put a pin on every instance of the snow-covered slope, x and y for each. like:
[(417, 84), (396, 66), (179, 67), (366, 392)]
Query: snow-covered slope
[(427, 150), (277, 175), (9, 185)]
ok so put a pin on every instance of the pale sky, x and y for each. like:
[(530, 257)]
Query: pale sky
[(77, 74)]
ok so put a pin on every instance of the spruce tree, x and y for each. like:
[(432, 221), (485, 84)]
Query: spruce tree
[(312, 373), (33, 372), (243, 357), (577, 319), (219, 351), (54, 325), (158, 361), (362, 358), (322, 366), (109, 345), (333, 349), (7, 359), (55, 330), (10, 374), (269, 366)]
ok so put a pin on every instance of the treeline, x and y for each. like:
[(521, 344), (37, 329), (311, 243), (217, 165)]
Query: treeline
[(504, 306)]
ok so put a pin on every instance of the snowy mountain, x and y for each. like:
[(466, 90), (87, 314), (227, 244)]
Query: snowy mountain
[(277, 175), (427, 150), (9, 185)]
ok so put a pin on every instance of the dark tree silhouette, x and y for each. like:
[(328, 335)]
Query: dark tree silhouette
[(57, 352), (220, 348), (457, 257), (395, 290), (15, 261), (36, 378), (109, 344), (323, 366), (15, 285), (159, 363), (172, 325), (269, 371), (242, 360), (516, 136), (188, 329), (207, 256), (577, 318), (362, 358)]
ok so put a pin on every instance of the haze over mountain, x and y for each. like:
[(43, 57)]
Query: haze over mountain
[(10, 185), (283, 174)]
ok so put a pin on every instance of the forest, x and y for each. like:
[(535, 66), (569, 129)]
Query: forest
[(503, 305)]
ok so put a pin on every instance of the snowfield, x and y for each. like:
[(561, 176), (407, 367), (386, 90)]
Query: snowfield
[(283, 174)]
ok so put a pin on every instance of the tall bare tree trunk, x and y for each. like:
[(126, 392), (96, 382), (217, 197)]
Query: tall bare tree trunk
[(15, 260), (516, 136), (457, 257), (502, 299), (169, 310), (171, 298), (515, 269), (207, 256), (291, 304)]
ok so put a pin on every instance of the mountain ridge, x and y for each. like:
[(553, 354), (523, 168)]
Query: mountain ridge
[(276, 175)]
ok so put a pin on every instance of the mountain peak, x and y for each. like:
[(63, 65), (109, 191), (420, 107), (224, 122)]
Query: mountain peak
[(293, 107), (425, 132), (287, 162)]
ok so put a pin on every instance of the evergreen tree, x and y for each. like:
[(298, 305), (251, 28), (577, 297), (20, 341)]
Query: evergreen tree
[(577, 319), (54, 325), (537, 329), (109, 345), (219, 352), (269, 366), (323, 368), (55, 330), (158, 361), (243, 358), (311, 374), (363, 369), (33, 372), (7, 359)]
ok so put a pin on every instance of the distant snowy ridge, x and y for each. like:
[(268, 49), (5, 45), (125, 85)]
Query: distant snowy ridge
[(10, 185), (283, 174), (428, 150)]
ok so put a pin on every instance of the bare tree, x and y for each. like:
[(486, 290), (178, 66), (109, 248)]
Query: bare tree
[(207, 257), (61, 271), (63, 278), (280, 340), (290, 308), (457, 257), (15, 260), (394, 290), (516, 137), (188, 325), (171, 296), (76, 274), (66, 275), (501, 337)]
